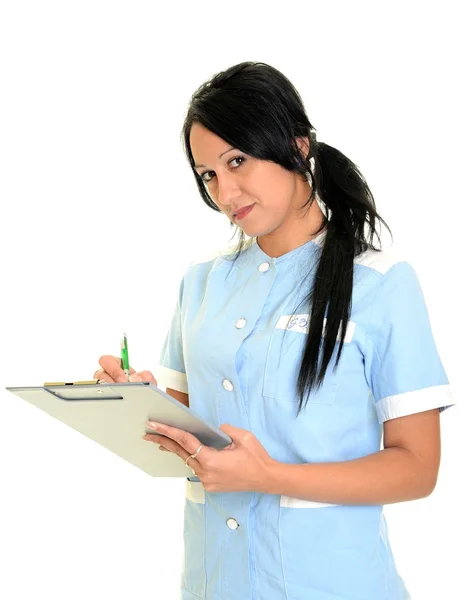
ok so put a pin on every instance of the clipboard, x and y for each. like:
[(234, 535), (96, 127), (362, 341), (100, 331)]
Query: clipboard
[(114, 416)]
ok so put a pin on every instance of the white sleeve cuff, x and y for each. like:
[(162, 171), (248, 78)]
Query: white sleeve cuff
[(172, 379), (437, 396)]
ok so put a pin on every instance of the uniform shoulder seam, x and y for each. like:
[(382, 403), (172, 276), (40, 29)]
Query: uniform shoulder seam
[(380, 261)]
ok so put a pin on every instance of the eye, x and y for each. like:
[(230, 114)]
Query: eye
[(242, 158), (207, 179), (204, 176)]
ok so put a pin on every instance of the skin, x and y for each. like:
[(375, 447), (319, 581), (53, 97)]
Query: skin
[(407, 467), (235, 179)]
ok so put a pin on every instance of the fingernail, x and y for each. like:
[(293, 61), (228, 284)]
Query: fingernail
[(151, 425), (134, 378)]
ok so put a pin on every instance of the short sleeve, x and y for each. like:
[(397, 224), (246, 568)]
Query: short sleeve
[(170, 371), (402, 364)]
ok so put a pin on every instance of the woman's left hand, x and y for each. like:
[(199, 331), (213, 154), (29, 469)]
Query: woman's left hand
[(244, 465)]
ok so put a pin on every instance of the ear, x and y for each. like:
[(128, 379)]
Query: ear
[(303, 145)]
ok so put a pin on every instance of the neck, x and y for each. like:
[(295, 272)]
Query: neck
[(299, 229)]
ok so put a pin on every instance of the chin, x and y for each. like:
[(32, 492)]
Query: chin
[(256, 231), (253, 232)]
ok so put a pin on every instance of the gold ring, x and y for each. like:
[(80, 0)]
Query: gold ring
[(193, 455), (198, 450)]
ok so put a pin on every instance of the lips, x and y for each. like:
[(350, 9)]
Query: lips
[(242, 211)]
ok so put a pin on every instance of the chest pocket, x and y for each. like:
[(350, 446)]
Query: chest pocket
[(284, 357)]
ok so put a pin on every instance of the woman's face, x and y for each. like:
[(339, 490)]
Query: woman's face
[(236, 180)]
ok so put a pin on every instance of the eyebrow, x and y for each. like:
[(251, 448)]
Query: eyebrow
[(197, 166)]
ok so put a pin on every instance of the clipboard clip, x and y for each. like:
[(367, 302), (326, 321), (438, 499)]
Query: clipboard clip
[(83, 390), (89, 382)]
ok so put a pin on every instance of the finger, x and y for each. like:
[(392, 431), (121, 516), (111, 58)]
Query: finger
[(169, 445), (143, 376), (186, 440), (103, 376), (112, 365), (164, 443)]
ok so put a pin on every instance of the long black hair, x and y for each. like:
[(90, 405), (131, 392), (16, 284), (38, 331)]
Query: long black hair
[(255, 108)]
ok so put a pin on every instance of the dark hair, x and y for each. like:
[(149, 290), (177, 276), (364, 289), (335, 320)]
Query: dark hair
[(255, 108)]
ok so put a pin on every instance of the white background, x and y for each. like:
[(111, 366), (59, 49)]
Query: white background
[(100, 216)]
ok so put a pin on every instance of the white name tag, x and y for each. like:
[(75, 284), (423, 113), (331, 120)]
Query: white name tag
[(300, 324)]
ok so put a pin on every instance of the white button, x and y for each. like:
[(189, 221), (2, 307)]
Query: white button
[(227, 385), (240, 323), (263, 267), (232, 523)]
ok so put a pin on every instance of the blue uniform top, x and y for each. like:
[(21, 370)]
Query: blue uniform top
[(235, 347)]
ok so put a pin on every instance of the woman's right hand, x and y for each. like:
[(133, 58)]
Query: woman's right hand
[(111, 371)]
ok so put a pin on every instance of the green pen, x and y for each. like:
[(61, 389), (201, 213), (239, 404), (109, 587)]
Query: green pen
[(124, 354)]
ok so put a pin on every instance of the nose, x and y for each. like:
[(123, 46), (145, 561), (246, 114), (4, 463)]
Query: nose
[(228, 188)]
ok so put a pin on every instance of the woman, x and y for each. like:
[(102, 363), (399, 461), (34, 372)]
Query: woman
[(293, 508)]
